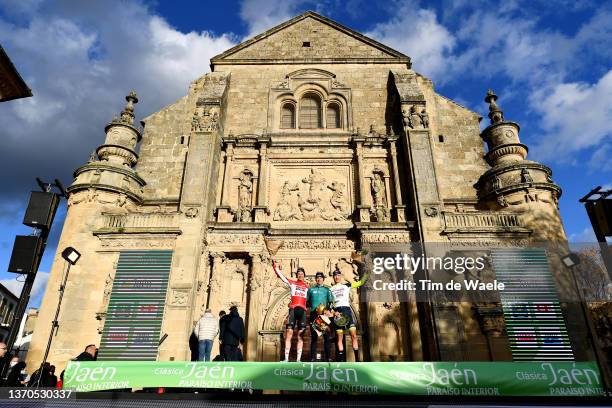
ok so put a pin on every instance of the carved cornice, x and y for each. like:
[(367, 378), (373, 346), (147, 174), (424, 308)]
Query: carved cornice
[(518, 166), (522, 187), (408, 87), (107, 167), (105, 187)]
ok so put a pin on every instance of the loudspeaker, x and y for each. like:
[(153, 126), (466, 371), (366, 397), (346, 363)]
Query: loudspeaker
[(25, 254), (603, 214), (41, 210)]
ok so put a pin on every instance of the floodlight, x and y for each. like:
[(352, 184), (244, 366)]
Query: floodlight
[(71, 255)]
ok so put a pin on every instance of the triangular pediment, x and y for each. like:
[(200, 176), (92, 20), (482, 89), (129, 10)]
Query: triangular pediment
[(310, 38)]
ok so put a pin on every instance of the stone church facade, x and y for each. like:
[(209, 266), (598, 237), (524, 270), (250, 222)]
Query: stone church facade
[(315, 135)]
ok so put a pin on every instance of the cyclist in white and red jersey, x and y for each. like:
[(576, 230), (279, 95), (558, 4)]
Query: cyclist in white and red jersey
[(297, 309)]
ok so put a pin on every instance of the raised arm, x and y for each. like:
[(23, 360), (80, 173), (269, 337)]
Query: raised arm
[(280, 274), (361, 281)]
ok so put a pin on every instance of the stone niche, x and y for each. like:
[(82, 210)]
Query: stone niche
[(311, 193)]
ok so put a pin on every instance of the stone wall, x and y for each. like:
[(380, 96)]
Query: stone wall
[(325, 42), (162, 156)]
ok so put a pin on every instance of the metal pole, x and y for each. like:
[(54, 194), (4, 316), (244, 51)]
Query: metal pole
[(54, 325)]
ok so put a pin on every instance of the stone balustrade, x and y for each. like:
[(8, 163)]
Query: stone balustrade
[(483, 221), (134, 223)]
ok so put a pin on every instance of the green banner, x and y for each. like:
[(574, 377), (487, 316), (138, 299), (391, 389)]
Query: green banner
[(411, 378)]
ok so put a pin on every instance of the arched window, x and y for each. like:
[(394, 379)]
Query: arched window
[(287, 116), (310, 112), (333, 116)]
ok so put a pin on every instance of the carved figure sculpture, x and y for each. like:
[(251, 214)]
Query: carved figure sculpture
[(337, 211), (310, 207), (378, 190), (380, 210), (424, 118), (415, 118), (285, 210), (526, 177), (245, 194), (195, 122), (406, 117), (214, 122)]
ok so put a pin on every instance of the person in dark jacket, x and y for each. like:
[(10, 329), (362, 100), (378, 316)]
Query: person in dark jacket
[(222, 316), (89, 354), (232, 335), (15, 375), (53, 377), (5, 359), (41, 378)]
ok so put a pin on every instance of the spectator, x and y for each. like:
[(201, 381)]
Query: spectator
[(15, 375), (5, 358), (60, 382), (232, 335), (206, 329), (41, 377), (220, 356), (52, 377), (90, 353)]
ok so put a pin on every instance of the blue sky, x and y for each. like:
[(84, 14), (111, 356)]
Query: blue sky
[(550, 63)]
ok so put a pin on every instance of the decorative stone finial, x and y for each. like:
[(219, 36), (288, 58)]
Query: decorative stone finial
[(92, 157), (127, 114), (495, 113)]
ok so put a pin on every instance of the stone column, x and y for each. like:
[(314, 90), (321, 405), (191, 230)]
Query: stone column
[(261, 207), (363, 206), (224, 212), (214, 284), (400, 208), (214, 290), (255, 311), (227, 177), (374, 325)]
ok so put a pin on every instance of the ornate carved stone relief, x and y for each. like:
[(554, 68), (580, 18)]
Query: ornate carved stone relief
[(317, 244), (311, 194), (223, 240), (205, 118), (415, 117), (386, 237), (179, 297), (191, 212)]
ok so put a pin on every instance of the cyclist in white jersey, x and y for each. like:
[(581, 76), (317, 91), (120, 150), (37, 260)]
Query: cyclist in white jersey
[(341, 293)]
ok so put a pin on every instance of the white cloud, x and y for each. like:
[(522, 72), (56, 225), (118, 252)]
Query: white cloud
[(38, 288), (512, 43), (81, 59), (586, 235), (576, 116), (415, 31), (261, 15)]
